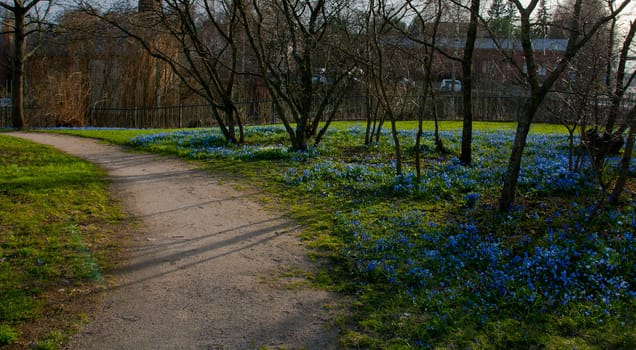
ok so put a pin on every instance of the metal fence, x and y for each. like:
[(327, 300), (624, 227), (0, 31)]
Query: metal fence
[(353, 108), (487, 108), (5, 118)]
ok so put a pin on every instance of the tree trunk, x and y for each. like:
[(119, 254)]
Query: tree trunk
[(420, 118), (467, 88), (368, 136), (301, 136), (571, 149), (514, 164), (18, 70), (396, 144), (240, 125), (232, 121), (380, 124), (439, 145)]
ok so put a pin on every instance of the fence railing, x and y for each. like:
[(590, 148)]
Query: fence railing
[(5, 117), (353, 108)]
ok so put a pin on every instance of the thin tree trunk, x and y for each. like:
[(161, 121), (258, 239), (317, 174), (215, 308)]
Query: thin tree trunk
[(467, 88), (240, 125), (514, 164), (439, 145), (571, 149), (18, 70), (396, 144), (420, 129), (368, 136), (420, 118), (378, 129)]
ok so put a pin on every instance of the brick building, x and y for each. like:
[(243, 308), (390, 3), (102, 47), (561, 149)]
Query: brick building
[(494, 61)]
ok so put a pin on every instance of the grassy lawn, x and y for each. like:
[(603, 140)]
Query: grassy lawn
[(432, 264), (58, 235)]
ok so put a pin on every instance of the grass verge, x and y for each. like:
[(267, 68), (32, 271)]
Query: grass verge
[(59, 233)]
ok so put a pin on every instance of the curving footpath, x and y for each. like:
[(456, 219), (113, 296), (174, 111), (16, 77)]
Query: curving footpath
[(204, 267)]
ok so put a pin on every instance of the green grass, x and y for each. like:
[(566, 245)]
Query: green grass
[(457, 125), (116, 136), (54, 235), (388, 316), (123, 136)]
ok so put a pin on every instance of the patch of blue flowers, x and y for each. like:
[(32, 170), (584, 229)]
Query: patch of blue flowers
[(343, 178), (210, 143), (265, 131), (183, 138), (476, 271), (544, 171)]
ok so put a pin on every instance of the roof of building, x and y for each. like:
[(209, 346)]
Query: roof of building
[(558, 45)]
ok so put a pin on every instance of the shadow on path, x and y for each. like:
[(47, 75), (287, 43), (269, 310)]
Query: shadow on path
[(203, 270)]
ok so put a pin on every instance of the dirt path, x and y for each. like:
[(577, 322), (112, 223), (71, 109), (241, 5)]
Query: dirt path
[(204, 266)]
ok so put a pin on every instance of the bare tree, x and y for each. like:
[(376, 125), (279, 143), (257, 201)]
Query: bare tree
[(602, 134), (579, 35), (594, 90), (575, 94), (297, 49), (421, 47), (427, 64), (617, 92), (387, 75), (197, 39), (28, 17), (384, 81), (419, 44), (466, 61), (622, 81)]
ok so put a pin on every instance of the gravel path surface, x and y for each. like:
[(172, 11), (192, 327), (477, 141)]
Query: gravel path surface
[(205, 267)]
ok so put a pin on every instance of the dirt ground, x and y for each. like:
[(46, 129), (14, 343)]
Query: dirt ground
[(207, 268)]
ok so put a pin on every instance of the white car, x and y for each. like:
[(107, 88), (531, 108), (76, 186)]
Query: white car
[(450, 85)]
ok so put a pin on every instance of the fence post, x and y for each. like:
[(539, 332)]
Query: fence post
[(180, 115), (273, 112)]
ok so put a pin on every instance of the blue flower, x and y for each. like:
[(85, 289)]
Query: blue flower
[(471, 199)]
